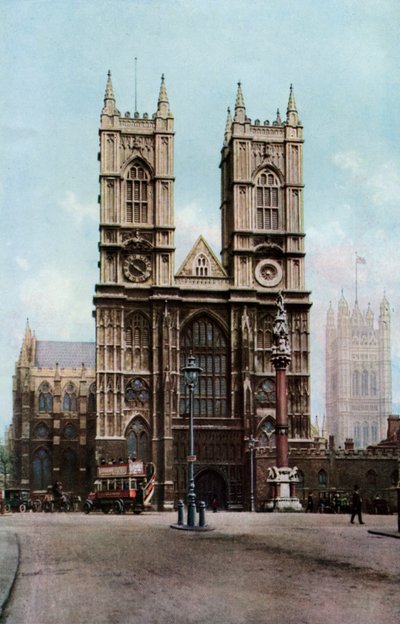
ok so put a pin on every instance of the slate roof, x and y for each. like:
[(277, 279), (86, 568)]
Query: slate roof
[(66, 354)]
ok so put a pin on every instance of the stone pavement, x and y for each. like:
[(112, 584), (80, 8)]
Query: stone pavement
[(9, 560), (229, 524)]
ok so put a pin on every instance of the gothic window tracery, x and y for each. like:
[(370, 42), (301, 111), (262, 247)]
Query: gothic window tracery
[(70, 432), (137, 194), (41, 431), (137, 392), (69, 400), (45, 398), (204, 338), (267, 201), (138, 440)]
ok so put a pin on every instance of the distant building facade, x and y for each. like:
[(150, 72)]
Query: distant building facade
[(54, 414), (358, 374)]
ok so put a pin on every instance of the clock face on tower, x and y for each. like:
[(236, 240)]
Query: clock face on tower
[(137, 267), (268, 273)]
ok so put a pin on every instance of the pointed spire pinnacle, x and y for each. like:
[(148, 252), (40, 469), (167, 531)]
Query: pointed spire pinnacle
[(278, 118), (292, 117), (240, 110), (163, 103), (26, 347), (109, 94), (228, 126), (163, 98), (109, 107), (291, 104)]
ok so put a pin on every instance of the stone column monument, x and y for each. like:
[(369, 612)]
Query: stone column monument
[(281, 478)]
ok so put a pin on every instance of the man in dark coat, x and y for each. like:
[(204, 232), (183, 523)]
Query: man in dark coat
[(356, 506)]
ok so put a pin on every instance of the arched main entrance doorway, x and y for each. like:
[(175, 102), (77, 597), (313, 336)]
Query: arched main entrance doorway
[(210, 483)]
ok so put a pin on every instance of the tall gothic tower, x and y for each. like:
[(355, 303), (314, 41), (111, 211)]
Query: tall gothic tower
[(358, 374), (263, 246), (136, 265)]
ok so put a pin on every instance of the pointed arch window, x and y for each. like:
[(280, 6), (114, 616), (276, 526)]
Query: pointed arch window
[(204, 338), (138, 440), (92, 399), (364, 383), (322, 478), (41, 470), (69, 400), (267, 201), (45, 398), (137, 194)]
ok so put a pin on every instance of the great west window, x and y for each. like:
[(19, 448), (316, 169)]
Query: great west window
[(205, 339)]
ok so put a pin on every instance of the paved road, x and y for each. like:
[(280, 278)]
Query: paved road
[(273, 568)]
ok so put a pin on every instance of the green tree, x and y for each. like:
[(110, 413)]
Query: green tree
[(5, 464)]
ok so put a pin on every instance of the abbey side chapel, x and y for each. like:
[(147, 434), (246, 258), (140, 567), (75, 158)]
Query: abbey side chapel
[(149, 319)]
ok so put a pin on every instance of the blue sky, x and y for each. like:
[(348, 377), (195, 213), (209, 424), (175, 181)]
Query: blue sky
[(342, 58)]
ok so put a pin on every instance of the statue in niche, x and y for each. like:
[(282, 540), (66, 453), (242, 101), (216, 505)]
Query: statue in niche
[(280, 330)]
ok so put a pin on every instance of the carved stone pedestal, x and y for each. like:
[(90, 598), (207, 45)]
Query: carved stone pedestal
[(283, 487)]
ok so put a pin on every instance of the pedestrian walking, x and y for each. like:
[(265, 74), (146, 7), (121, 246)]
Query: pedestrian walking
[(310, 503), (356, 506)]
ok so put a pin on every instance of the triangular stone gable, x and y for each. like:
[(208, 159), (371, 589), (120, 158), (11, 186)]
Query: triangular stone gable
[(201, 262)]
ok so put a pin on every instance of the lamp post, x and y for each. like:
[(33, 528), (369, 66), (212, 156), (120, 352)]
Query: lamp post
[(251, 441), (191, 373)]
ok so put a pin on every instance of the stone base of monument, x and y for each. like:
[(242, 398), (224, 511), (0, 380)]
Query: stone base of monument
[(282, 482)]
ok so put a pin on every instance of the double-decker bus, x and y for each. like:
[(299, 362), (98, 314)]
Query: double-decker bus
[(122, 486)]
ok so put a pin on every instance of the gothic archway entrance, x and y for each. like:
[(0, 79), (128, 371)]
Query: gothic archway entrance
[(210, 483)]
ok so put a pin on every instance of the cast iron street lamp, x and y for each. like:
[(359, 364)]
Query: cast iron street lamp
[(191, 373), (251, 441)]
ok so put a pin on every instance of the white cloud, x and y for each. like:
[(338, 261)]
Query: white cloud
[(57, 303), (380, 178), (78, 210)]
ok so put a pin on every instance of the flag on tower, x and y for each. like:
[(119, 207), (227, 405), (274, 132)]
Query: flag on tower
[(361, 260)]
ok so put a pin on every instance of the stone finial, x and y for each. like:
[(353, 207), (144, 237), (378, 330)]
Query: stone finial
[(228, 126), (163, 103), (292, 117), (240, 110), (109, 107)]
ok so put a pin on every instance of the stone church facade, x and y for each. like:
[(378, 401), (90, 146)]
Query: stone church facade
[(54, 415), (149, 319)]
